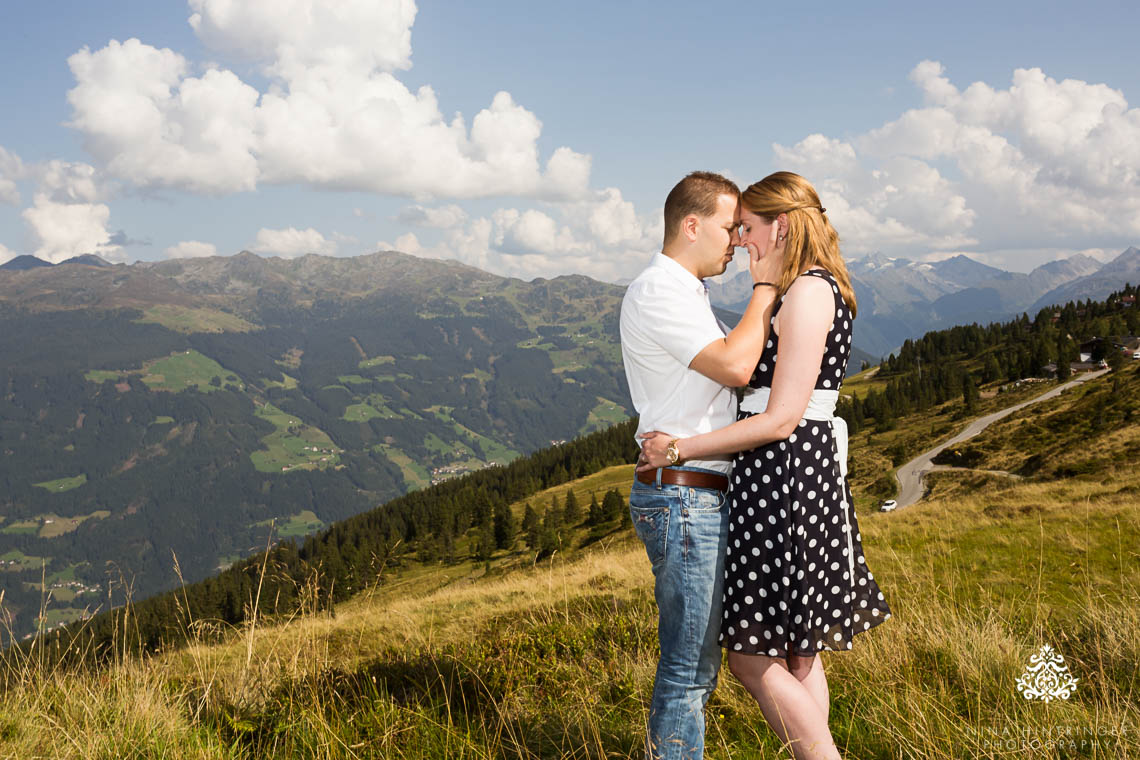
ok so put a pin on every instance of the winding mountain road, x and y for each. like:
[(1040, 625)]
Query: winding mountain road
[(910, 475)]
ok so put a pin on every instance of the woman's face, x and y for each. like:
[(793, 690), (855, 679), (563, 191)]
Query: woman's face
[(755, 230)]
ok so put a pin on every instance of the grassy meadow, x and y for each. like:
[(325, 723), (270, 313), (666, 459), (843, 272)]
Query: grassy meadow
[(555, 659), (294, 444), (514, 658)]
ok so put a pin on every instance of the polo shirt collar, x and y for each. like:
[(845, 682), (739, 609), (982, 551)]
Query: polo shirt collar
[(682, 275)]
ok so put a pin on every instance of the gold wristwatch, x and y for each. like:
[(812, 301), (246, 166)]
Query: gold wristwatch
[(671, 452)]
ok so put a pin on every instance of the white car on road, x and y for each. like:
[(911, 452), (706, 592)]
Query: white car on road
[(888, 505)]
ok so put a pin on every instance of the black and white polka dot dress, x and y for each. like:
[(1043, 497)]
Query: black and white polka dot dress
[(789, 586)]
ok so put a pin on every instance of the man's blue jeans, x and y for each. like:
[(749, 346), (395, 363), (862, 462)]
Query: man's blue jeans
[(684, 531)]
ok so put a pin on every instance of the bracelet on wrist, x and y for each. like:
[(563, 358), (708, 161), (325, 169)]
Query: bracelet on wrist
[(758, 284)]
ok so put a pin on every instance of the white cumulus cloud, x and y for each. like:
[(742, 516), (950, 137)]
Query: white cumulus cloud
[(68, 182), (151, 124), (361, 35), (601, 236), (1041, 163), (333, 115), (63, 230), (442, 217), (406, 243), (292, 242), (11, 170), (191, 249)]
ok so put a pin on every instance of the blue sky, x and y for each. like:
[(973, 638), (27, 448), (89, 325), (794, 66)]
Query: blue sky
[(1008, 131)]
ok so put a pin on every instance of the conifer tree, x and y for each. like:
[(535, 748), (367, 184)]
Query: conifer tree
[(486, 544), (571, 512), (504, 526), (530, 518), (595, 516), (612, 504), (554, 516)]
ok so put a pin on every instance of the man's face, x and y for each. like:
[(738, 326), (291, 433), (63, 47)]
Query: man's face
[(718, 236)]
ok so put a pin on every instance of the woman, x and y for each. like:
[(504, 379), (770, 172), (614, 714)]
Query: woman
[(796, 582)]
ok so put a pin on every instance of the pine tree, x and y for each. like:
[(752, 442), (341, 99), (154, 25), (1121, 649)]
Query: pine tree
[(447, 547), (530, 518), (612, 504), (595, 516), (485, 547), (554, 515), (969, 393), (534, 533), (571, 512), (504, 526)]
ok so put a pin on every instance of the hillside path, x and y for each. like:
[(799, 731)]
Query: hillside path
[(910, 475)]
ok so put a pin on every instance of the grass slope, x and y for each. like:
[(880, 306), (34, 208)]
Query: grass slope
[(555, 659)]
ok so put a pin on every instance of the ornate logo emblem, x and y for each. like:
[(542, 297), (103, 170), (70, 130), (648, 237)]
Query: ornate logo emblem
[(1047, 677)]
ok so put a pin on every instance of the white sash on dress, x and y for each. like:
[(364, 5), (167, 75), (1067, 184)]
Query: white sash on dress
[(821, 408)]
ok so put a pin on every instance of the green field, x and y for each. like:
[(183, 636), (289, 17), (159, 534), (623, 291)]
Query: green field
[(603, 415), (162, 419), (415, 475), (102, 375), (179, 371), (375, 361), (17, 560), (292, 444), (61, 525), (22, 527), (288, 383), (184, 319), (66, 574), (53, 616), (295, 526), (493, 450), (59, 485), (359, 413), (374, 405), (480, 374), (354, 380)]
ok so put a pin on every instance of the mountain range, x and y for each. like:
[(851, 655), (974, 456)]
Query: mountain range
[(28, 261), (899, 298), (198, 408)]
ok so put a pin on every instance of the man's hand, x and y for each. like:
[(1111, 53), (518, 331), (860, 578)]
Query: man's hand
[(653, 445)]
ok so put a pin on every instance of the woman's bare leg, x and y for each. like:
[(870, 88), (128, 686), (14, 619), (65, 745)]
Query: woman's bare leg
[(809, 672), (789, 707)]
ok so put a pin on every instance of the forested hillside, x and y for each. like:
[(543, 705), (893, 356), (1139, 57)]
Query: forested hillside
[(185, 409), (955, 363), (464, 518)]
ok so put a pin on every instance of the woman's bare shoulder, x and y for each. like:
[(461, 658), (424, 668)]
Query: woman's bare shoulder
[(807, 290)]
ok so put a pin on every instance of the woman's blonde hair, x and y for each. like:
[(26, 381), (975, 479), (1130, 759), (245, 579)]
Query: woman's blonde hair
[(812, 241)]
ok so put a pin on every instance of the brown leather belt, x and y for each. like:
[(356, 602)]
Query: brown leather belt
[(685, 478)]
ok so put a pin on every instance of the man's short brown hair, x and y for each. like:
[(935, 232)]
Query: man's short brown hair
[(695, 194)]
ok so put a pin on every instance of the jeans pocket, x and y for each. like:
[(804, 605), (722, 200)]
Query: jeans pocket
[(708, 500), (652, 526)]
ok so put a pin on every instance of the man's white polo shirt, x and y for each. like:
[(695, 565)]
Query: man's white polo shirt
[(666, 320)]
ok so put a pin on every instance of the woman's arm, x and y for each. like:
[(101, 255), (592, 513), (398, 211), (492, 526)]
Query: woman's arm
[(805, 320), (731, 360)]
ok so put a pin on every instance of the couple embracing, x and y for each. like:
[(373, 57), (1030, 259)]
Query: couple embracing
[(743, 507)]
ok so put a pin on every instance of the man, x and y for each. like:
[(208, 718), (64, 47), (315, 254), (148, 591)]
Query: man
[(682, 364)]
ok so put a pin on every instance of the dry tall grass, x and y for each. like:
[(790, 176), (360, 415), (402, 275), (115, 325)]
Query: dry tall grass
[(556, 660)]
